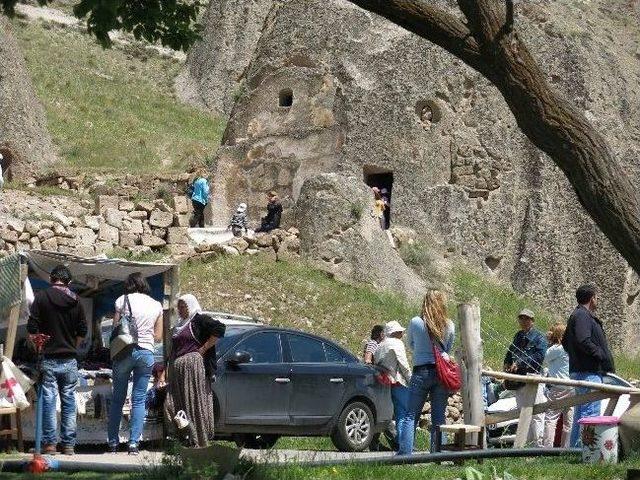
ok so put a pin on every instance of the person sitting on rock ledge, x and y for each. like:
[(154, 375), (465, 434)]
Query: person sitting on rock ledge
[(239, 221), (274, 212)]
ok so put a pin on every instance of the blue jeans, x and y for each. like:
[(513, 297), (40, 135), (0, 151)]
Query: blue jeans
[(59, 376), (424, 382), (140, 363), (400, 399), (587, 410)]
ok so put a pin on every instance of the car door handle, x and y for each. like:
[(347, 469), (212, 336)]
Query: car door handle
[(283, 380), (336, 380)]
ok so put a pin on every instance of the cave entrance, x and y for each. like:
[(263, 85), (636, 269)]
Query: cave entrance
[(6, 159), (383, 180)]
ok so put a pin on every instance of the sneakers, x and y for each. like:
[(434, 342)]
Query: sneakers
[(68, 450), (113, 448), (49, 449), (133, 450)]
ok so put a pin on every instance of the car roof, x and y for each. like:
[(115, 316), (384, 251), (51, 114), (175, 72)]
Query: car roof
[(233, 319), (294, 331)]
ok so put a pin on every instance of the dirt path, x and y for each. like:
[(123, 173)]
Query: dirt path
[(53, 15), (149, 459)]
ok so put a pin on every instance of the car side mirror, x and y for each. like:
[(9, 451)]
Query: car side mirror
[(239, 357)]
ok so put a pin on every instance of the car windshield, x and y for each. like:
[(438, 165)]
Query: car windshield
[(230, 338)]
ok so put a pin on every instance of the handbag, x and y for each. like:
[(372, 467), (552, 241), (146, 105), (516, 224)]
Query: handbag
[(448, 371), (124, 337)]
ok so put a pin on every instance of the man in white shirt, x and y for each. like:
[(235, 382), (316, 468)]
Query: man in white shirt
[(392, 356)]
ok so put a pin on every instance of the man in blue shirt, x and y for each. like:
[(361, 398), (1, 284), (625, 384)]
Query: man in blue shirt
[(199, 199), (524, 356)]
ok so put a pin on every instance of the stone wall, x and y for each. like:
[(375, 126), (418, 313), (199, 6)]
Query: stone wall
[(466, 177), (114, 223)]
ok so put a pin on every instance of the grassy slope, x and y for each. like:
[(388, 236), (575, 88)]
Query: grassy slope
[(294, 294), (113, 110)]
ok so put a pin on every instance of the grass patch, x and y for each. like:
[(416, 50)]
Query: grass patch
[(42, 191), (159, 256), (299, 296), (520, 469), (419, 256), (113, 110), (292, 295)]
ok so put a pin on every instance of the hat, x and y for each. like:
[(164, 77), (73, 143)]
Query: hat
[(526, 313), (242, 208), (392, 327)]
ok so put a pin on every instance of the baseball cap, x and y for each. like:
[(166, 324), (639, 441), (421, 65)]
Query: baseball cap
[(392, 327), (526, 313)]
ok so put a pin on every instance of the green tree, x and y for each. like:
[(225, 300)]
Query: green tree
[(170, 22)]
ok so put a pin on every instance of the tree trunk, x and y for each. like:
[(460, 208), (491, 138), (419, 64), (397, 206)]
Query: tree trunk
[(548, 120)]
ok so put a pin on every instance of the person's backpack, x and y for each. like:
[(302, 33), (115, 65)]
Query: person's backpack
[(189, 191)]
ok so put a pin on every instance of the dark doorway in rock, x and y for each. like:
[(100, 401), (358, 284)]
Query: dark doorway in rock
[(5, 162), (285, 99), (383, 180)]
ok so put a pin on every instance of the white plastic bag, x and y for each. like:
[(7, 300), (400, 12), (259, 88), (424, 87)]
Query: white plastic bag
[(13, 385)]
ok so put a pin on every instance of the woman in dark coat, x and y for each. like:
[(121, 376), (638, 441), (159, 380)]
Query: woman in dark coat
[(191, 368)]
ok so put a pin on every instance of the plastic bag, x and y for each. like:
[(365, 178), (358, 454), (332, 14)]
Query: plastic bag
[(13, 385)]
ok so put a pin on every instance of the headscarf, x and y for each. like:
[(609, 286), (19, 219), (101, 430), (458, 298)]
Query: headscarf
[(193, 306)]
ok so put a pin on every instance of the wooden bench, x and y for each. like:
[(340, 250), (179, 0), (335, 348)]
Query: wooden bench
[(461, 433), (7, 430)]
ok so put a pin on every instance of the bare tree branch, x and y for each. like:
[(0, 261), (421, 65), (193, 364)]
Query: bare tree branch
[(432, 23)]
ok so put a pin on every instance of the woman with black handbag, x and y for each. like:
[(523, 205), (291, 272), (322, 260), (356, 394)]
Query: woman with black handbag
[(143, 317)]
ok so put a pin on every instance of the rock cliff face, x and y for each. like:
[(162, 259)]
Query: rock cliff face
[(331, 88), (24, 140)]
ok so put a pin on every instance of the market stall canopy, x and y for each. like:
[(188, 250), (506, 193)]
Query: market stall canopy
[(91, 272)]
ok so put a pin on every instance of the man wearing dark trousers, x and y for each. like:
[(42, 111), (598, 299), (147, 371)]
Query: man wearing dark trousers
[(57, 312), (589, 355)]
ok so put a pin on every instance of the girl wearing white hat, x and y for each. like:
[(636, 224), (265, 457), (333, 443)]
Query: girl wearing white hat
[(392, 356), (239, 222)]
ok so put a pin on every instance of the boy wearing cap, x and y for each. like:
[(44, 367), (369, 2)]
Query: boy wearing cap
[(524, 356), (239, 221), (391, 355)]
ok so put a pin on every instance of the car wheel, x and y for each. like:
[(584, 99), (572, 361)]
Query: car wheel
[(354, 431), (256, 441)]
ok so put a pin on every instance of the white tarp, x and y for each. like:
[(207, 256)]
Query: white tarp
[(88, 271)]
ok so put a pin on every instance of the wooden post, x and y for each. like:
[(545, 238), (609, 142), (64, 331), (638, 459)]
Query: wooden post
[(171, 287), (472, 357), (611, 406), (14, 317)]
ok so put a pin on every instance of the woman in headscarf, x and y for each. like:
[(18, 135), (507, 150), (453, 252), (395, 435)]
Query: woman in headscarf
[(192, 365), (188, 307)]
